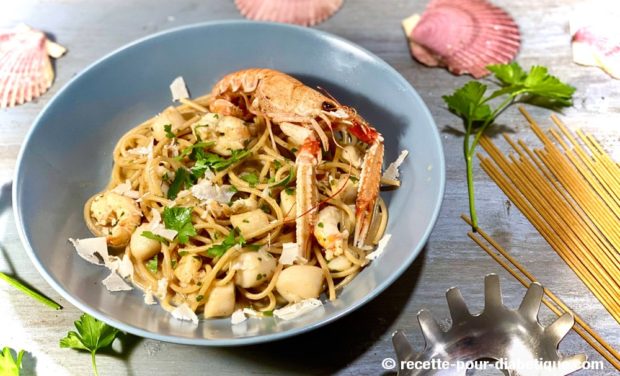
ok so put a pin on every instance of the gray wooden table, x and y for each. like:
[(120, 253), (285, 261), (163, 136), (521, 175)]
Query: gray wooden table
[(359, 342)]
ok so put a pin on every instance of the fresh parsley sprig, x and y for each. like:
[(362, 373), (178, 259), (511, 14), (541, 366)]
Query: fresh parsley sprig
[(234, 237), (10, 366), (180, 220), (472, 103), (92, 335)]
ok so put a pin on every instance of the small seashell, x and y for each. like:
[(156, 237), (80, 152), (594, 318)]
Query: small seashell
[(26, 71), (596, 41), (300, 12), (465, 37)]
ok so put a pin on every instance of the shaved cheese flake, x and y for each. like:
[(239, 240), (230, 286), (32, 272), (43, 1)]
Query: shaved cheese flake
[(124, 189), (148, 297), (238, 317), (184, 313), (125, 267), (164, 232), (162, 288), (380, 247), (392, 173), (290, 254), (155, 219), (178, 89), (114, 282), (205, 190), (142, 150), (89, 247), (295, 310)]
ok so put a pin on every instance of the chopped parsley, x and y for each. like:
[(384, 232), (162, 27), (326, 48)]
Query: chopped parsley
[(150, 235), (253, 247), (168, 130), (182, 180), (320, 224), (284, 182), (251, 178), (183, 253), (354, 179), (180, 220), (289, 191), (246, 221), (277, 164), (194, 150), (152, 264), (199, 297), (266, 208), (233, 238)]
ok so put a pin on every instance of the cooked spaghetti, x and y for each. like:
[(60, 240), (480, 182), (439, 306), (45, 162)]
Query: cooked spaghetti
[(217, 207)]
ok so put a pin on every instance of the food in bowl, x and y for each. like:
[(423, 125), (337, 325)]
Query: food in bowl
[(262, 194)]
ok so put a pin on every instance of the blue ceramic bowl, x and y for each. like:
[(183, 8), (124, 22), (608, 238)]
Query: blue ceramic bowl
[(67, 157)]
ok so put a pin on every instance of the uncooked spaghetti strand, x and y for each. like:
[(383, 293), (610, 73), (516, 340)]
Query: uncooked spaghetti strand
[(543, 228)]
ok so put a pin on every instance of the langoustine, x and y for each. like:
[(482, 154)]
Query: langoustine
[(306, 116)]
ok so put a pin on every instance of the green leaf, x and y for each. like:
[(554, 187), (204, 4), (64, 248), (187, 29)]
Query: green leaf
[(233, 238), (92, 335), (539, 82), (468, 102), (180, 220), (182, 180), (284, 182), (251, 178), (150, 235), (194, 150), (508, 74), (168, 130), (10, 366), (152, 264)]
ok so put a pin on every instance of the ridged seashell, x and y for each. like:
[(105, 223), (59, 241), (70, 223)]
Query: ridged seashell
[(26, 71), (596, 41), (300, 12), (464, 36)]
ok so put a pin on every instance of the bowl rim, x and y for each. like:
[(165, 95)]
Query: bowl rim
[(241, 340)]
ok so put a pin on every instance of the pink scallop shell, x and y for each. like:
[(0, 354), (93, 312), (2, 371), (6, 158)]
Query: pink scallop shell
[(25, 68), (300, 12), (597, 43), (464, 36)]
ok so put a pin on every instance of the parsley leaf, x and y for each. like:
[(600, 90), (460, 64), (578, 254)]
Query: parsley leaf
[(91, 335), (250, 178), (180, 220), (194, 150), (182, 180), (233, 238), (168, 130), (472, 103), (152, 264), (150, 235), (10, 366), (284, 182)]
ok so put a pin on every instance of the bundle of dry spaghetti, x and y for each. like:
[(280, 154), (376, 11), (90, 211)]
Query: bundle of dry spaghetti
[(570, 191)]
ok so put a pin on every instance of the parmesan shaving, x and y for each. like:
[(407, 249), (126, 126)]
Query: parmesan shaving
[(114, 282), (124, 189), (184, 313), (205, 190), (392, 173), (295, 310), (149, 299), (238, 317), (162, 288), (380, 247), (290, 254), (88, 249), (178, 88), (164, 232)]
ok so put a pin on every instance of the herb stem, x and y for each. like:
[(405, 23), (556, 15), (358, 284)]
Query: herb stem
[(92, 357), (470, 176), (28, 291)]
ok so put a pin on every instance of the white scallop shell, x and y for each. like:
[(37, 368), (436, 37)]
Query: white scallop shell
[(300, 12), (26, 71)]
